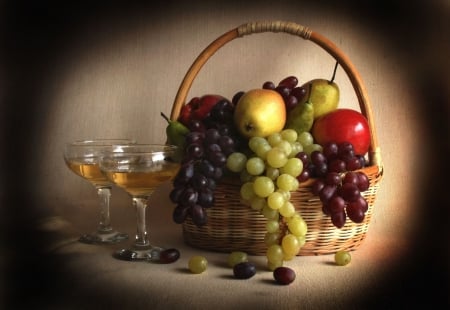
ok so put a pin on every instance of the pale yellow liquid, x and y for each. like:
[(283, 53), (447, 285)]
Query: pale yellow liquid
[(138, 183), (90, 172)]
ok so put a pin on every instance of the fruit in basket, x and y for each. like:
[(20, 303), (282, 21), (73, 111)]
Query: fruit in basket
[(343, 125), (203, 163), (268, 191), (289, 82), (176, 132), (259, 113), (324, 95), (339, 184), (301, 117), (198, 108), (288, 89)]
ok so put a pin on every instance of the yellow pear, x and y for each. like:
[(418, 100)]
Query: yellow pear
[(259, 113), (323, 94)]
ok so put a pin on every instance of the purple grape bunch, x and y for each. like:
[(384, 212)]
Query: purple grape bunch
[(289, 89), (339, 181), (207, 147)]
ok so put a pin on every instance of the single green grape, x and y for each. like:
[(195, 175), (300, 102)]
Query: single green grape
[(272, 173), (297, 147), (286, 182), (255, 166), (271, 238), (197, 264), (297, 226), (305, 138), (342, 258), (255, 142), (286, 194), (236, 162), (275, 253), (237, 257), (276, 157), (270, 213), (276, 200), (247, 192), (290, 245), (287, 209), (262, 149), (272, 226), (289, 135), (263, 186), (274, 138), (293, 167), (285, 146), (258, 203)]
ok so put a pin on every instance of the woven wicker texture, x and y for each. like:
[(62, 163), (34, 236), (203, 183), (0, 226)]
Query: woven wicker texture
[(234, 226)]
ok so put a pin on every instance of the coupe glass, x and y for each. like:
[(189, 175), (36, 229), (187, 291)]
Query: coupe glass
[(139, 169), (82, 158)]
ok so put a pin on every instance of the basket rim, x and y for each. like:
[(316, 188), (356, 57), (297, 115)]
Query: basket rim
[(301, 31)]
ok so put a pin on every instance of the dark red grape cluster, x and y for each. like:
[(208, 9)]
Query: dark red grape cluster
[(207, 147), (288, 89), (339, 183)]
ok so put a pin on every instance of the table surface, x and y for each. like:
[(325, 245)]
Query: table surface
[(93, 276)]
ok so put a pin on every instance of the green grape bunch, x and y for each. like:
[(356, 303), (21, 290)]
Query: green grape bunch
[(269, 174)]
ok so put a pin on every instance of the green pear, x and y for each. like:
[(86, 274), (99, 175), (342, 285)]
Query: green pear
[(301, 118), (176, 134), (323, 94)]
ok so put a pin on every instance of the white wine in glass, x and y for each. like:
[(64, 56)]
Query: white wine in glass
[(82, 158), (139, 169)]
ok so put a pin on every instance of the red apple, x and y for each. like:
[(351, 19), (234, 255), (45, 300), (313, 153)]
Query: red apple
[(198, 108), (186, 111), (343, 125)]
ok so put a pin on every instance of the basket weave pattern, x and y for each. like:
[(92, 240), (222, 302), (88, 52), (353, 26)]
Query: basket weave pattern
[(234, 226)]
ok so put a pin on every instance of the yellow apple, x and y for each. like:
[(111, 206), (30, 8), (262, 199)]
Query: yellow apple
[(259, 113), (323, 94)]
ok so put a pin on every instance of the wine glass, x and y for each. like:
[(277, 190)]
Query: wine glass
[(139, 169), (82, 158)]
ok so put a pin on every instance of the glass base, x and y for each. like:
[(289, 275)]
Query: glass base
[(111, 237), (149, 254)]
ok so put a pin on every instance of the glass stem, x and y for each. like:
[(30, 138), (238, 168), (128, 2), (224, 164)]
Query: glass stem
[(104, 194), (140, 204)]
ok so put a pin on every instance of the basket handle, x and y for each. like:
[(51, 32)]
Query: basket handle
[(293, 29)]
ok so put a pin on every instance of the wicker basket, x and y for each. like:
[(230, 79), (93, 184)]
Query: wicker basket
[(233, 226)]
